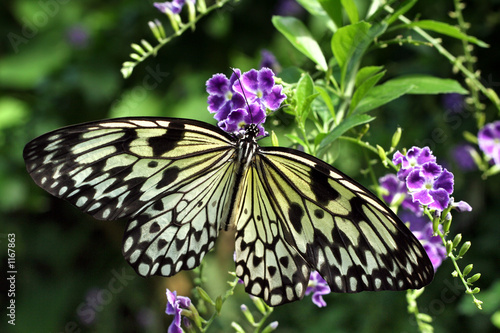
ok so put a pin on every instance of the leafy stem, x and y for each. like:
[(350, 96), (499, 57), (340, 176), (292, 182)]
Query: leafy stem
[(451, 246), (366, 145), (423, 320), (473, 77), (147, 50)]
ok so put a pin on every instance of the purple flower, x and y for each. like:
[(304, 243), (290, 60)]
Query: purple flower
[(415, 157), (259, 87), (145, 318), (78, 36), (318, 287), (397, 191), (289, 8), (243, 99), (461, 206), (174, 7), (462, 156), (222, 99), (453, 102), (175, 304), (422, 229), (489, 141), (269, 60), (430, 185)]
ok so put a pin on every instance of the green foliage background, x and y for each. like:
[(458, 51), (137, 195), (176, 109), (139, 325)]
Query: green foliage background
[(63, 257)]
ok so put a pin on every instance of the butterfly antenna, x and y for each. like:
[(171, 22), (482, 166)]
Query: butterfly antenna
[(243, 91)]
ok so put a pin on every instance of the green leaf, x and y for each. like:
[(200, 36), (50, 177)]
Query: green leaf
[(425, 84), (300, 37), (334, 10), (380, 95), (13, 112), (401, 11), (364, 88), (366, 72), (274, 139), (346, 39), (304, 95), (349, 44), (413, 84), (445, 29), (313, 7), (351, 10), (297, 140), (327, 99), (343, 127)]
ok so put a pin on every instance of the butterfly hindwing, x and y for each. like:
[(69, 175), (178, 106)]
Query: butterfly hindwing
[(170, 177), (179, 227), (266, 259), (325, 222)]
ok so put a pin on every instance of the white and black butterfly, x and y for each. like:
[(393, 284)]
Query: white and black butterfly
[(179, 182)]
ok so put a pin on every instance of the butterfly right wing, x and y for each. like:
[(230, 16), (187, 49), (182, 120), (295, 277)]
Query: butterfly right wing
[(171, 177), (300, 214)]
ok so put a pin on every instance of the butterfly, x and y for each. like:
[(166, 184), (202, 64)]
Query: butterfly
[(179, 182)]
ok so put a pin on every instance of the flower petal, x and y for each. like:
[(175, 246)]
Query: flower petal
[(255, 115), (444, 181), (430, 170), (265, 79), (423, 197), (440, 198), (275, 98), (415, 181), (218, 85), (250, 80), (462, 206)]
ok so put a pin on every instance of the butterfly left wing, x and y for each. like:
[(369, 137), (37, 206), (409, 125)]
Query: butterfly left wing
[(300, 214), (172, 178)]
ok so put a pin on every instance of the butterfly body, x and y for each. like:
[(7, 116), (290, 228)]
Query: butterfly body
[(179, 182)]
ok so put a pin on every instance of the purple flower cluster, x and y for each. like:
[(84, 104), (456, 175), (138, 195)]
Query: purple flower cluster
[(396, 192), (175, 305), (421, 227), (412, 214), (489, 141), (269, 60), (318, 287), (243, 99), (173, 7), (428, 183), (462, 155), (453, 102)]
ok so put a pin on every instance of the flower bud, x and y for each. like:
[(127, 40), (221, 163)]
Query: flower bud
[(271, 327), (473, 278), (396, 137), (204, 295), (457, 240), (467, 269), (465, 247), (248, 315)]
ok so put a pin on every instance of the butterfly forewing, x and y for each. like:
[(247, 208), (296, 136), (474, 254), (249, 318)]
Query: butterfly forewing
[(325, 222), (112, 168), (171, 177)]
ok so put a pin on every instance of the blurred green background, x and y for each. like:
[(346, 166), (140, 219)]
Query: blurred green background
[(60, 65)]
